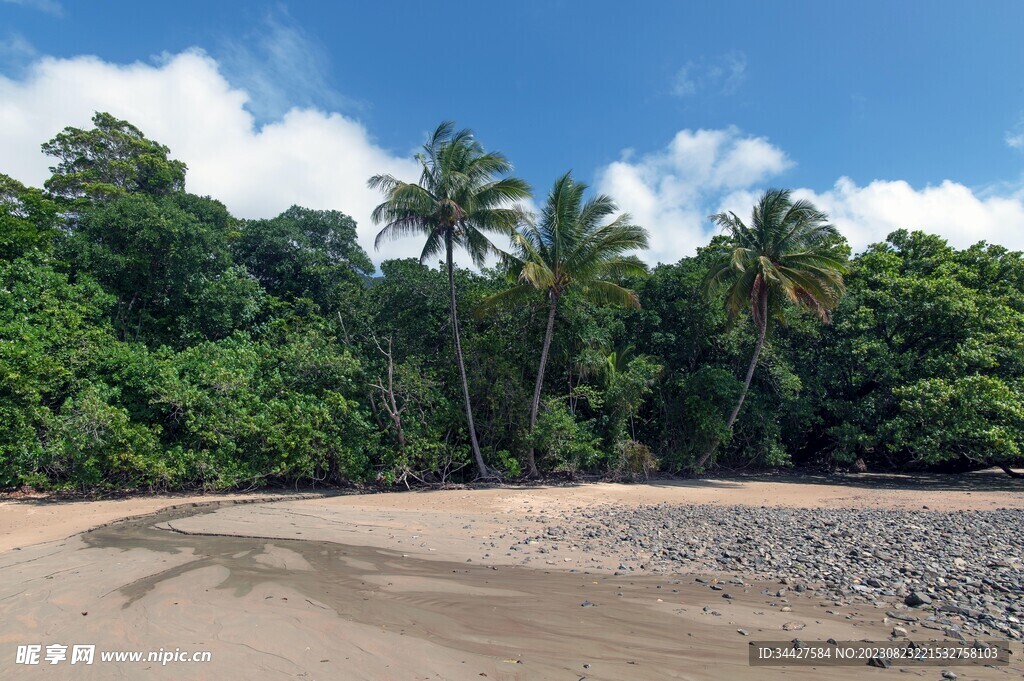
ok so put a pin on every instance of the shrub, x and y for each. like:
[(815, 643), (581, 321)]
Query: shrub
[(566, 444)]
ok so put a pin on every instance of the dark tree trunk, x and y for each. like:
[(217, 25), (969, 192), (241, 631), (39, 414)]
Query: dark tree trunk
[(535, 406), (761, 318), (1009, 471), (481, 466)]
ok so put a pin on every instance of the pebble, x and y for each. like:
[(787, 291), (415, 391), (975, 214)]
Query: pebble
[(963, 563)]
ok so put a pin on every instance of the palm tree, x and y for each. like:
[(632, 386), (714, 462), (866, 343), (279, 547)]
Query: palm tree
[(572, 248), (459, 198), (785, 253)]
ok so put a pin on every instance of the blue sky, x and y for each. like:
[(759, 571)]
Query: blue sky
[(885, 112)]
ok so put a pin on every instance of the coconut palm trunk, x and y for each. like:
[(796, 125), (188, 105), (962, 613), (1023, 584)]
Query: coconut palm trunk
[(458, 200), (788, 252), (572, 248), (760, 308), (535, 406), (481, 466)]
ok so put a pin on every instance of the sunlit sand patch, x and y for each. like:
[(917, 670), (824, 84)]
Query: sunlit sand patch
[(406, 583), (281, 558)]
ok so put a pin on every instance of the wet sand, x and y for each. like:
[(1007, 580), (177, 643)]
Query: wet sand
[(408, 586), (32, 520)]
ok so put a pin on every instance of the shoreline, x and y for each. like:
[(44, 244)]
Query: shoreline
[(65, 517), (501, 581)]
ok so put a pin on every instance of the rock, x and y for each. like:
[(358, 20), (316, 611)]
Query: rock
[(793, 626), (950, 675), (916, 599), (587, 604), (899, 631), (743, 632), (902, 618), (964, 562), (879, 662)]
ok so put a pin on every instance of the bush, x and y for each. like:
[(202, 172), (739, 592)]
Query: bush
[(566, 445), (635, 460), (94, 444)]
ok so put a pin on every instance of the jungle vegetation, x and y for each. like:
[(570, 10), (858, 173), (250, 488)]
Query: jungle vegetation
[(151, 340)]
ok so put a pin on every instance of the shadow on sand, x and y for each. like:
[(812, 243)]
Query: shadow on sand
[(991, 480)]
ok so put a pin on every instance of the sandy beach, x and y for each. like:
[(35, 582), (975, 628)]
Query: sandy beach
[(441, 584)]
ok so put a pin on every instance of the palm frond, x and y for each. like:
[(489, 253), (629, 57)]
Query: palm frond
[(784, 254), (433, 247), (398, 229), (459, 197), (508, 297), (607, 293)]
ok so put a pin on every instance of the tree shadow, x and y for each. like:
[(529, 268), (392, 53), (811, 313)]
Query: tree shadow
[(990, 480)]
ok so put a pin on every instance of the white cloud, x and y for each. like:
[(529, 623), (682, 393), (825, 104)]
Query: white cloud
[(16, 53), (280, 66), (685, 83), (307, 157), (49, 6), (867, 214), (1015, 137), (321, 160), (720, 75), (671, 192)]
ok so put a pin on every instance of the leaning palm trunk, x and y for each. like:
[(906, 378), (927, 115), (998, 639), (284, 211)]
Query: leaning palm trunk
[(481, 466), (761, 319), (535, 407)]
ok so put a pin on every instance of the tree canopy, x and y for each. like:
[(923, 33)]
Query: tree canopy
[(149, 339), (112, 159)]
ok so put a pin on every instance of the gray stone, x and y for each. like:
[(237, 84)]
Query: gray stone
[(916, 599)]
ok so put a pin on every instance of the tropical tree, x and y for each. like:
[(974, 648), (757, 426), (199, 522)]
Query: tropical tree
[(111, 160), (29, 219), (459, 199), (574, 246), (788, 252), (924, 362), (305, 253)]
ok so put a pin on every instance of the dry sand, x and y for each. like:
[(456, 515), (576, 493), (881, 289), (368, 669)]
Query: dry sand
[(416, 585)]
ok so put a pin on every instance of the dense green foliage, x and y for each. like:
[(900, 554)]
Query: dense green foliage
[(111, 160), (150, 339), (785, 255), (461, 199), (578, 247)]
